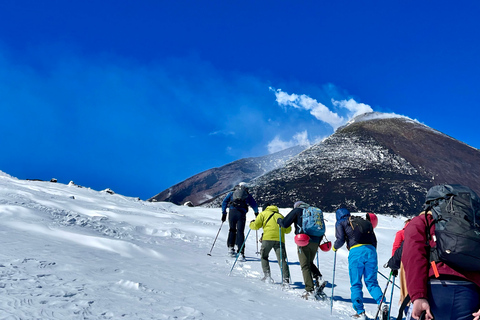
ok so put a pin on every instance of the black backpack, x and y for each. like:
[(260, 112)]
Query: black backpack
[(456, 214), (239, 197), (362, 230)]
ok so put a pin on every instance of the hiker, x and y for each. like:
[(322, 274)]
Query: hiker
[(237, 202), (267, 219), (395, 261), (307, 250), (399, 237), (453, 295), (362, 257)]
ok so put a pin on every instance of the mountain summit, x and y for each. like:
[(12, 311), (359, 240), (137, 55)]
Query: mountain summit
[(378, 162)]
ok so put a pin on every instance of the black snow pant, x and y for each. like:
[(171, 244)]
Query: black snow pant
[(236, 233)]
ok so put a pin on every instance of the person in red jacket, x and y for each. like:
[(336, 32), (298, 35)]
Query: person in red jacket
[(455, 294), (399, 237)]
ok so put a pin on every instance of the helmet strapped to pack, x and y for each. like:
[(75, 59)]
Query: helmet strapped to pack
[(302, 239), (372, 217), (326, 245)]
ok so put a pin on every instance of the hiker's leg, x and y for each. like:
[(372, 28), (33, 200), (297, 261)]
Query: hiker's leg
[(355, 272), (267, 245), (232, 224), (370, 273), (453, 299)]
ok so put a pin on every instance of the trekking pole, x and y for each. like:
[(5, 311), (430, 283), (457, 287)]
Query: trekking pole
[(210, 253), (333, 281), (383, 297), (239, 251), (387, 279), (256, 234), (281, 258), (391, 297)]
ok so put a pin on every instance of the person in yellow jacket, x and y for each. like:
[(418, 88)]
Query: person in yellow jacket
[(267, 220)]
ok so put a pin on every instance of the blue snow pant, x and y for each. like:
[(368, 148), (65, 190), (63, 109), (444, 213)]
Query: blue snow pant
[(236, 234), (453, 299), (362, 262)]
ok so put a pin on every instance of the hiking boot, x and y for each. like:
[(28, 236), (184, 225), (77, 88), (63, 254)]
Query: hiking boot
[(361, 316), (241, 257), (307, 295), (267, 279), (231, 251)]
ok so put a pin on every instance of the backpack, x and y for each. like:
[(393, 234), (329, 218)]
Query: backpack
[(312, 222), (239, 197), (456, 214), (362, 230)]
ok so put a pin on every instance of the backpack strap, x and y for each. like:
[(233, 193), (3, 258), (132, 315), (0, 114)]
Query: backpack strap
[(432, 252), (268, 219), (402, 307)]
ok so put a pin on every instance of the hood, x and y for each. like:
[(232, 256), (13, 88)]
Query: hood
[(272, 209), (342, 213)]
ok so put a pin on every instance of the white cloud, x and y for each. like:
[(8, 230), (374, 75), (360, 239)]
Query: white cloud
[(317, 109), (277, 144), (222, 132), (354, 107)]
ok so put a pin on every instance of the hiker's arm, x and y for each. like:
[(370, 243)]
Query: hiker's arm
[(225, 202), (252, 203), (258, 222), (340, 236), (415, 258), (288, 220)]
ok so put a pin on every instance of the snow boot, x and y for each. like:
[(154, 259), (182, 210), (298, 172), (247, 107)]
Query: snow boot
[(319, 294), (231, 252), (267, 279), (307, 295), (360, 316), (385, 312)]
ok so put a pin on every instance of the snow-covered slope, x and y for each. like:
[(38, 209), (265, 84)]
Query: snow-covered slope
[(75, 253)]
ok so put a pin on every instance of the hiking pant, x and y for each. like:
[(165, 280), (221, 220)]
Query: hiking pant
[(306, 255), (267, 246), (453, 299), (362, 262), (236, 233)]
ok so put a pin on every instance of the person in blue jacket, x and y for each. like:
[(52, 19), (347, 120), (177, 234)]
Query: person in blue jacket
[(362, 261), (237, 202)]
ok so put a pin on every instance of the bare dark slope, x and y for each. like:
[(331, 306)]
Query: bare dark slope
[(209, 184), (382, 165)]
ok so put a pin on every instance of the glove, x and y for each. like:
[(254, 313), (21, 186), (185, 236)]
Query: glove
[(394, 273), (279, 221), (224, 217)]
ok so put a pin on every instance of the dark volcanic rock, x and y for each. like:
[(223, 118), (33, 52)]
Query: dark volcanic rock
[(209, 184), (383, 165)]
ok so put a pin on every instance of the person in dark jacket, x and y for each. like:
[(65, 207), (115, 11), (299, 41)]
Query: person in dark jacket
[(362, 262), (237, 217), (453, 295), (306, 254)]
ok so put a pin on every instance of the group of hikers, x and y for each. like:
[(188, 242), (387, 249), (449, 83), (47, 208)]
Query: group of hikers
[(438, 280)]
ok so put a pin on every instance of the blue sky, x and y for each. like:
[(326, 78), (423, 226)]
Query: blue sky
[(139, 95)]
